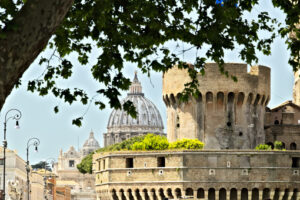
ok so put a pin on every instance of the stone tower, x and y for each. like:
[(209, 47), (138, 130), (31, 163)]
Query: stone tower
[(227, 114)]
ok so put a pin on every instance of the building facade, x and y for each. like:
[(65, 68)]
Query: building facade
[(206, 174), (122, 126), (15, 172), (82, 185), (283, 124), (37, 186)]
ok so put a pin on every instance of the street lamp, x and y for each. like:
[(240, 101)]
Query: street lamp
[(16, 116), (31, 142), (52, 160)]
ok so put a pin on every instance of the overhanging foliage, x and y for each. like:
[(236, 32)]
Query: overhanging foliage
[(139, 32)]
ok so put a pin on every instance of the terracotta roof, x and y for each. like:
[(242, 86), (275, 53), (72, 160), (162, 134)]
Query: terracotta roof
[(286, 103)]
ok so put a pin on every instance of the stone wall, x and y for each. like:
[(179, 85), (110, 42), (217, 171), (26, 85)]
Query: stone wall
[(289, 135), (213, 175), (227, 114)]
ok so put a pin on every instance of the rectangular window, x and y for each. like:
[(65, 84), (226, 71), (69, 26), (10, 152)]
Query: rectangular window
[(161, 162), (295, 162), (129, 162), (103, 163), (99, 165), (71, 163), (1, 161)]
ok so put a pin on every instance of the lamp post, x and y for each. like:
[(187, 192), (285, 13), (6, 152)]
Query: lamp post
[(16, 117), (52, 160), (35, 142)]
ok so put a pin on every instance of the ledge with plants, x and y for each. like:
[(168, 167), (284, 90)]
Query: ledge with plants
[(149, 142)]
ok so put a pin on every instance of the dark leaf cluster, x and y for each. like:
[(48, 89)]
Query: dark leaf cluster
[(139, 32), (41, 165)]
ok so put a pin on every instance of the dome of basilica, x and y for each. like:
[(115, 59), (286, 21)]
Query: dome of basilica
[(148, 119), (91, 141), (90, 145)]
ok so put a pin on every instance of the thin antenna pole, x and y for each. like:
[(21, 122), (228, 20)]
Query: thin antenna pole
[(78, 143), (183, 51)]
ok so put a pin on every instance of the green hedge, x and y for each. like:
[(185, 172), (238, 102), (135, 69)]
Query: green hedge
[(277, 146), (151, 142), (263, 147), (186, 144), (86, 165), (145, 143)]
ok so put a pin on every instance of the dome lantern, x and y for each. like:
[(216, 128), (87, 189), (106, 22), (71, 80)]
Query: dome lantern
[(135, 87)]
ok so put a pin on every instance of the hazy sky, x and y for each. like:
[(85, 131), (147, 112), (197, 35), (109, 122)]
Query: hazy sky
[(56, 131)]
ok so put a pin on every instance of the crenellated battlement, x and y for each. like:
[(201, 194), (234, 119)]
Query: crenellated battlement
[(256, 82), (226, 114)]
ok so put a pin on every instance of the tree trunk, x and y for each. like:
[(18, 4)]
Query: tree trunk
[(32, 28)]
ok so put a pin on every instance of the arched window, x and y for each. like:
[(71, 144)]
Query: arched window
[(209, 97), (211, 194), (240, 100), (283, 145), (178, 193), (266, 193), (222, 194), (244, 194), (169, 193), (220, 100), (255, 194), (189, 192), (293, 146), (233, 194), (200, 193)]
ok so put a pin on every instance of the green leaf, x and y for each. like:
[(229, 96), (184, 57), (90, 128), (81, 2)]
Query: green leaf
[(56, 109), (77, 121)]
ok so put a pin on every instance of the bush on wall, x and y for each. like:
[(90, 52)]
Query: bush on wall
[(146, 142), (151, 142), (277, 146), (263, 147), (186, 144)]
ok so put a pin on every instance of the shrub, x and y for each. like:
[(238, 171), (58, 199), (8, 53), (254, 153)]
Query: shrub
[(186, 144), (263, 147), (125, 145), (86, 164), (151, 142), (148, 142), (278, 145)]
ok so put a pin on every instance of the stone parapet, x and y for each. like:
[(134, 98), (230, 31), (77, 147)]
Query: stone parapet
[(207, 174), (257, 81)]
